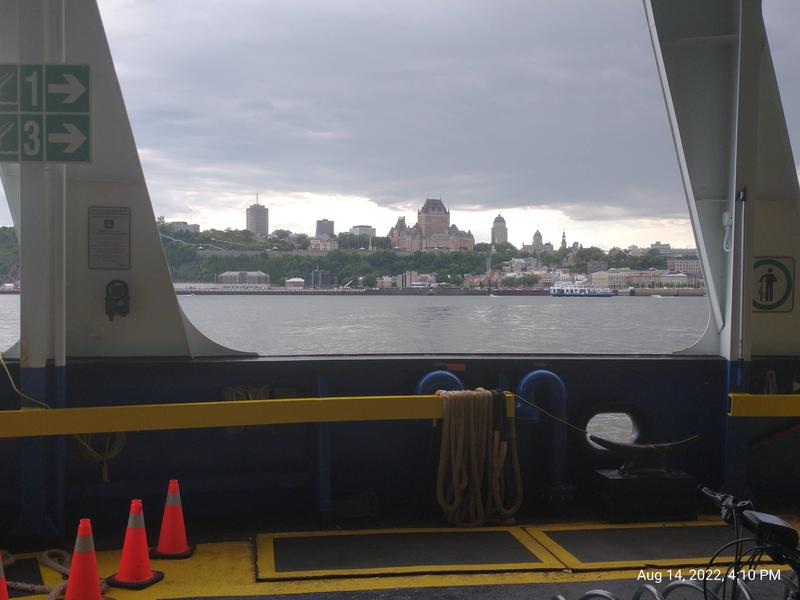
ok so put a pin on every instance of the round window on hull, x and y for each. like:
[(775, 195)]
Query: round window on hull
[(614, 426)]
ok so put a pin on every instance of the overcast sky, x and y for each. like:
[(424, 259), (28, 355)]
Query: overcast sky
[(548, 111)]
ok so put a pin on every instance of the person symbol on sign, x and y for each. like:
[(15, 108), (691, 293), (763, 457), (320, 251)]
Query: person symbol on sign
[(767, 286)]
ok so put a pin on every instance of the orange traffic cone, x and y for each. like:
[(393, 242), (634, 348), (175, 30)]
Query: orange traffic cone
[(3, 586), (134, 566), (172, 538), (83, 582)]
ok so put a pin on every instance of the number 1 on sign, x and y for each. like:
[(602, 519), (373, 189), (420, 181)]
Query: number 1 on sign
[(33, 80), (31, 98)]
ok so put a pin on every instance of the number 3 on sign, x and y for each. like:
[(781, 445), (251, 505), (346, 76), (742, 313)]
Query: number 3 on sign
[(32, 138)]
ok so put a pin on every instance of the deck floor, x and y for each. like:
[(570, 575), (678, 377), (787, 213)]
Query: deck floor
[(512, 562)]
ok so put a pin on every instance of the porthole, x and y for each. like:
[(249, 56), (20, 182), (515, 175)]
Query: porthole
[(614, 426)]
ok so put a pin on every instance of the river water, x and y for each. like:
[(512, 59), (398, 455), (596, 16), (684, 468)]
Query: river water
[(281, 325)]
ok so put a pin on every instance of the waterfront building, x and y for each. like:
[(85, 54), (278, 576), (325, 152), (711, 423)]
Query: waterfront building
[(243, 278), (405, 280), (648, 278), (324, 227), (258, 219), (675, 280), (296, 283), (615, 279), (473, 280), (690, 266), (321, 278), (181, 226), (433, 231), (499, 231), (624, 278), (363, 230)]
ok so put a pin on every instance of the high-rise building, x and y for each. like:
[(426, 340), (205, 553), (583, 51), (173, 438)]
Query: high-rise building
[(324, 227), (499, 231), (363, 230), (433, 218), (258, 219)]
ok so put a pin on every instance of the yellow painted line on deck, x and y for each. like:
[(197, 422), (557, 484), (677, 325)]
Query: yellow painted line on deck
[(230, 413), (543, 560)]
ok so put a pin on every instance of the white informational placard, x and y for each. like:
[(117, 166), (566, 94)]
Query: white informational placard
[(109, 237)]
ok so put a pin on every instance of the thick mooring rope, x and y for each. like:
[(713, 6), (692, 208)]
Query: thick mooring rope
[(59, 561), (470, 483)]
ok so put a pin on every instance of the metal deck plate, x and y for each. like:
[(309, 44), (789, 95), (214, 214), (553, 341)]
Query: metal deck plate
[(312, 555)]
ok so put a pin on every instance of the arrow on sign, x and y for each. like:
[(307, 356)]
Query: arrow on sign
[(74, 138), (73, 88)]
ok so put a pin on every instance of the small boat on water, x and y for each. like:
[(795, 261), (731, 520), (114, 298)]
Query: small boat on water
[(579, 291)]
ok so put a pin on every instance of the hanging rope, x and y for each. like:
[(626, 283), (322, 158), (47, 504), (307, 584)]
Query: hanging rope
[(470, 482), (771, 383), (112, 447), (114, 444)]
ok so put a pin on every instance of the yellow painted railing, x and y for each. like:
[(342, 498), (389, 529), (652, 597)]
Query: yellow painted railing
[(764, 405), (197, 415)]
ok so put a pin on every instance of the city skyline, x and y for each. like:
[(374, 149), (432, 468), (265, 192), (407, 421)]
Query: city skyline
[(550, 112), (515, 237)]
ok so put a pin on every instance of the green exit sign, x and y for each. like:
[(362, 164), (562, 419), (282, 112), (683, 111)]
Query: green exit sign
[(45, 113)]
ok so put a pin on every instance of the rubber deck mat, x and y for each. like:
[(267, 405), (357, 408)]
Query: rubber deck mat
[(594, 546), (312, 555), (25, 570)]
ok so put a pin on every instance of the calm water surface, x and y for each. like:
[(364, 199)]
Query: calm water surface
[(369, 325), (407, 324)]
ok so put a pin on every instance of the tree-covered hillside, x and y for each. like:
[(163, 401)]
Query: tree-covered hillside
[(199, 257)]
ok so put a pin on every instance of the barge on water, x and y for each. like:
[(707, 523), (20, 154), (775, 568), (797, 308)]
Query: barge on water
[(574, 290)]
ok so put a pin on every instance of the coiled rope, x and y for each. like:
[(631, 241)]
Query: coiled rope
[(470, 482), (59, 561)]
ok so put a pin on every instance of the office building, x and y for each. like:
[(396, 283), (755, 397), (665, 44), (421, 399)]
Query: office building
[(258, 219), (324, 227)]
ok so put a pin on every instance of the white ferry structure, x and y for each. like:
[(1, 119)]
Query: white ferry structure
[(573, 290)]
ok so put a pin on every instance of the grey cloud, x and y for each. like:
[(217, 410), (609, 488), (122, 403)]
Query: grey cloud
[(519, 103)]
